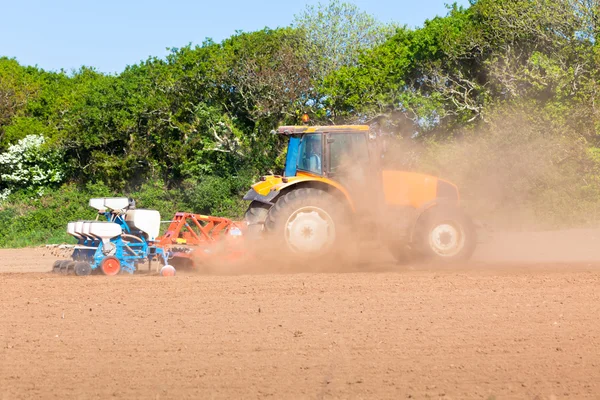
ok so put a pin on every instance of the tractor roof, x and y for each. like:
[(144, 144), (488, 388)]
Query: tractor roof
[(299, 129)]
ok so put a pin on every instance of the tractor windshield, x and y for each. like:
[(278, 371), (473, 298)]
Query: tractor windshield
[(309, 155)]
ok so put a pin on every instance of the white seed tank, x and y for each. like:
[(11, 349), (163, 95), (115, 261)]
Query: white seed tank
[(113, 203), (71, 230), (94, 229), (147, 221)]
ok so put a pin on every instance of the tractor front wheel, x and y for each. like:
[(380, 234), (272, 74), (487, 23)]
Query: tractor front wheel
[(255, 217), (446, 235), (306, 223)]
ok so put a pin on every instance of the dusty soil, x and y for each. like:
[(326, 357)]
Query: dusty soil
[(482, 330)]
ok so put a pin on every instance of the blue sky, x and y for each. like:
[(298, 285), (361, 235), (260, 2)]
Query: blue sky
[(110, 34)]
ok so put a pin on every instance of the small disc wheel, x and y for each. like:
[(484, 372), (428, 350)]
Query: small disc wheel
[(447, 235), (110, 266), (56, 267), (67, 266), (167, 270), (82, 268)]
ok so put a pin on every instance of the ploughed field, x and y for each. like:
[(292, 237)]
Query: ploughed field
[(494, 329)]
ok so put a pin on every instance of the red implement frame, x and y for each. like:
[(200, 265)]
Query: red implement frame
[(199, 230), (196, 238)]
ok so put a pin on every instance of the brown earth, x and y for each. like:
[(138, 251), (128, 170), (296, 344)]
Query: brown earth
[(480, 330)]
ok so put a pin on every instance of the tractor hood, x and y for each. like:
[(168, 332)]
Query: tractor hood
[(399, 188), (412, 189)]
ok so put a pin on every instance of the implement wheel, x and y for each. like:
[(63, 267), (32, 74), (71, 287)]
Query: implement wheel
[(306, 222), (82, 268), (66, 267), (110, 266), (57, 266), (167, 270)]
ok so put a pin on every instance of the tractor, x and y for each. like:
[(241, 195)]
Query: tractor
[(334, 193)]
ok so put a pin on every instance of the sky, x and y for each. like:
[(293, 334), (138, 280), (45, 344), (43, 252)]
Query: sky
[(111, 34)]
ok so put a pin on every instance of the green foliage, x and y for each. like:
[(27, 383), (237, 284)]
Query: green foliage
[(416, 80), (30, 166), (24, 126), (17, 86), (28, 219), (337, 33), (507, 85), (215, 195)]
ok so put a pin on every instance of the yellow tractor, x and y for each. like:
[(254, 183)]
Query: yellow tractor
[(333, 194)]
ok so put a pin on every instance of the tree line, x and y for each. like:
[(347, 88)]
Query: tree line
[(500, 96)]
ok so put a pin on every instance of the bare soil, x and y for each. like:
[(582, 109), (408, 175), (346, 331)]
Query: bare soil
[(373, 330)]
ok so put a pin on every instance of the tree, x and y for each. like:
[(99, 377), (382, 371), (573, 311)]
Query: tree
[(265, 74), (414, 81), (337, 33), (17, 86), (455, 69)]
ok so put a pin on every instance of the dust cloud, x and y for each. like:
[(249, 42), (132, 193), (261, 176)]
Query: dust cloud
[(521, 179), (530, 183)]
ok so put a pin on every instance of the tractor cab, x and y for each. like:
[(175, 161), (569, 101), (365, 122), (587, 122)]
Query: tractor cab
[(326, 151), (336, 159)]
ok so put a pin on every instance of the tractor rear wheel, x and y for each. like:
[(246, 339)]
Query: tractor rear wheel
[(446, 234), (401, 252), (306, 223)]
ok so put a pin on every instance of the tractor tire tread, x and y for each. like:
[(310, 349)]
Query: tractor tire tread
[(256, 212)]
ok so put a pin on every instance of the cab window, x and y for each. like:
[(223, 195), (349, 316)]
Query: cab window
[(310, 154), (347, 149)]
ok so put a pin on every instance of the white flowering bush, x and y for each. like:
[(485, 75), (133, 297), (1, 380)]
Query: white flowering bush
[(4, 195), (28, 165)]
